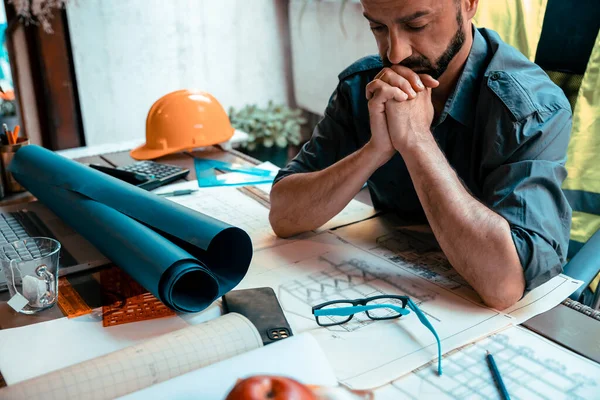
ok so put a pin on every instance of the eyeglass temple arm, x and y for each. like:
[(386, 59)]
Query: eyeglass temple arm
[(345, 311), (428, 325)]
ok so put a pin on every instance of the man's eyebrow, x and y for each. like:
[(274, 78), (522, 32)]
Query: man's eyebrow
[(401, 20), (371, 19)]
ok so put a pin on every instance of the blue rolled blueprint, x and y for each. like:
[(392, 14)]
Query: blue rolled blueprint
[(183, 257)]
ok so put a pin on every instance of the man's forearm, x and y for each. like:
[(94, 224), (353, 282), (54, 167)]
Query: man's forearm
[(477, 241), (303, 202)]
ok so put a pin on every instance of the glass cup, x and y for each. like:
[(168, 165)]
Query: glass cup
[(31, 270)]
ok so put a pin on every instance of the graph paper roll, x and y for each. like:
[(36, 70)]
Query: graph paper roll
[(181, 256), (137, 367)]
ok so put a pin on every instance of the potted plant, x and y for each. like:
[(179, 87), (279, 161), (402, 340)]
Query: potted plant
[(270, 130), (37, 11)]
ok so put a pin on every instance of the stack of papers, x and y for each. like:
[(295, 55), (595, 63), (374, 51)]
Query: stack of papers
[(204, 359), (531, 368)]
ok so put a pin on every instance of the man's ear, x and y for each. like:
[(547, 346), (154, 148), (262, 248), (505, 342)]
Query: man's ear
[(470, 7)]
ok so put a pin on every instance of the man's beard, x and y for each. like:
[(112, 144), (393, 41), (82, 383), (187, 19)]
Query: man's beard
[(422, 65)]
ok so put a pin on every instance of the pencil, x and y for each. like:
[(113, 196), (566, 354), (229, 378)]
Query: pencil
[(181, 192), (497, 377)]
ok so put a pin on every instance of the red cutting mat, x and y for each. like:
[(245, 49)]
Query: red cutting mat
[(127, 301)]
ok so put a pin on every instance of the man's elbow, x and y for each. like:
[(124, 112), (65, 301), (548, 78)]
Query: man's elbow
[(276, 212), (502, 303), (505, 295), (280, 228)]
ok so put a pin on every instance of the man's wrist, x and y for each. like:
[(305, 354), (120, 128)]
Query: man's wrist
[(424, 155), (374, 156), (416, 144)]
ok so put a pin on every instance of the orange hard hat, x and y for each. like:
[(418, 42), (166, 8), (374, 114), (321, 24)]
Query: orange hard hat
[(183, 120)]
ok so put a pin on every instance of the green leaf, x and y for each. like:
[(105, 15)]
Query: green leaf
[(275, 124), (281, 141)]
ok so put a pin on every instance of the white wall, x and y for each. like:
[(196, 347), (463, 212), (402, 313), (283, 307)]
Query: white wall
[(128, 53), (2, 13), (325, 40)]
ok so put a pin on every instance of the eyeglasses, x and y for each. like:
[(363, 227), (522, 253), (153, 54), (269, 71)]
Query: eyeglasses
[(383, 307)]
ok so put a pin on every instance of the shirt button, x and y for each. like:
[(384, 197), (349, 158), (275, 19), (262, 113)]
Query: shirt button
[(495, 76)]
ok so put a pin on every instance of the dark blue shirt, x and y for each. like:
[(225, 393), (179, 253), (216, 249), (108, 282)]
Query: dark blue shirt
[(505, 130)]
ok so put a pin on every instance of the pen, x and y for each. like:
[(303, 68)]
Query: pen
[(5, 135), (13, 135), (181, 192), (497, 377), (16, 133)]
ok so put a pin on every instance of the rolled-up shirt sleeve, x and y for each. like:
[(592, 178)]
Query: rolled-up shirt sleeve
[(333, 138), (526, 191)]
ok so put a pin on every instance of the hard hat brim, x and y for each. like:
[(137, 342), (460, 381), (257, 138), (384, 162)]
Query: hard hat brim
[(144, 153)]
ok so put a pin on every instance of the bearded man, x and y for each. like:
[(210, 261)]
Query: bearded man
[(450, 123)]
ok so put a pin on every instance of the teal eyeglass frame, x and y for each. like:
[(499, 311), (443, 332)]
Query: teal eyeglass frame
[(360, 305)]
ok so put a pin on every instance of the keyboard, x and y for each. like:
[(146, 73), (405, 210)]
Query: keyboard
[(13, 227), (23, 224), (162, 173), (589, 311)]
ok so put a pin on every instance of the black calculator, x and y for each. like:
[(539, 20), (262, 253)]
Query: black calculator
[(158, 174)]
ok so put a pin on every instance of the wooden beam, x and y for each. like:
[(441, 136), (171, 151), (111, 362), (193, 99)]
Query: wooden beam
[(65, 128)]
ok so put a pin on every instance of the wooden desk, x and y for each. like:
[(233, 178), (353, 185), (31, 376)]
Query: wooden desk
[(548, 324)]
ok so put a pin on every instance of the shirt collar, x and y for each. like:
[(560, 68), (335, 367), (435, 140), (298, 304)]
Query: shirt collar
[(461, 103)]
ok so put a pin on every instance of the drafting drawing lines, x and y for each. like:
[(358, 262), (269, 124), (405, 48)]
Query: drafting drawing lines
[(349, 280), (416, 251), (525, 373), (253, 223)]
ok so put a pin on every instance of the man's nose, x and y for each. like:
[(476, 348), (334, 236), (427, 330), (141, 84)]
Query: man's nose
[(398, 49)]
